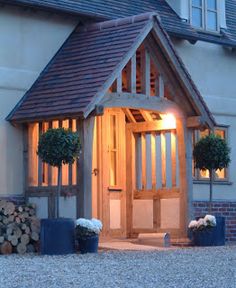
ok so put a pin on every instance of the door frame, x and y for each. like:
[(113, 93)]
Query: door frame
[(106, 193)]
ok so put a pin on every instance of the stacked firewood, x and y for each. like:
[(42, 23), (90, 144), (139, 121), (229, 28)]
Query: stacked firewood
[(19, 228)]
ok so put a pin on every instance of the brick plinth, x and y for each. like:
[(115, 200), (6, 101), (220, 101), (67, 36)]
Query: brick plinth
[(225, 209)]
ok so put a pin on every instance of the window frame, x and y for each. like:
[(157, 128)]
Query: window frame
[(116, 150), (43, 175), (196, 172), (205, 11)]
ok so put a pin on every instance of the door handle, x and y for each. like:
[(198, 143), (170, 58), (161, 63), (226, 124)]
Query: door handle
[(95, 171)]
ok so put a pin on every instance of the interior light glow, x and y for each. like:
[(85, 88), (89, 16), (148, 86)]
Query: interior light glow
[(169, 121)]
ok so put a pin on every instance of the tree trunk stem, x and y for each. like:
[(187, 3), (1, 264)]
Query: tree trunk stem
[(211, 190), (58, 191)]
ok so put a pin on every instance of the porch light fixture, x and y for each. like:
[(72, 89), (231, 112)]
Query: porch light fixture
[(169, 121)]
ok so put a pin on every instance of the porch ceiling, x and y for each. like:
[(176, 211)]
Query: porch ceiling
[(80, 74)]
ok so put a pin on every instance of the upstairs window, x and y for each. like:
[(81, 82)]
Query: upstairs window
[(205, 15)]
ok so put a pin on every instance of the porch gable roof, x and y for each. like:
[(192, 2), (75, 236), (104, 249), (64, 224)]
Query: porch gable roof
[(81, 72)]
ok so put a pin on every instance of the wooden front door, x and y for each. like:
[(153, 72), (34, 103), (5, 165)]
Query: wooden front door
[(153, 195), (112, 163)]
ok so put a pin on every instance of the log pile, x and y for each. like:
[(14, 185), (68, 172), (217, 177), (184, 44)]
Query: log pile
[(19, 228)]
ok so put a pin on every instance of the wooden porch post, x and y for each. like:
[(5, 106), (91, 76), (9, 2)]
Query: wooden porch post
[(184, 137), (130, 179), (25, 159), (84, 197)]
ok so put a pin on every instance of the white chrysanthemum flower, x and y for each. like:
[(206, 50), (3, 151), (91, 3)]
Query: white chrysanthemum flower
[(210, 219), (92, 225), (97, 223), (193, 224), (201, 223)]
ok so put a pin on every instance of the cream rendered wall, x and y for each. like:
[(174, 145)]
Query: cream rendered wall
[(213, 69), (28, 40)]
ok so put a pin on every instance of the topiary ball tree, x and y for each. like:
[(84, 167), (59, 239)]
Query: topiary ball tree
[(56, 147), (211, 153)]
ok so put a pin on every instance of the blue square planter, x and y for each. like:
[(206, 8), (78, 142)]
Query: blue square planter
[(57, 236), (214, 236)]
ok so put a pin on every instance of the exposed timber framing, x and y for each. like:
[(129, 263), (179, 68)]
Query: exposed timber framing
[(100, 95), (40, 163), (130, 179), (145, 72), (195, 122), (25, 155), (161, 86), (86, 133), (149, 126), (129, 115), (119, 83), (185, 172), (133, 73), (184, 82), (146, 115), (140, 101)]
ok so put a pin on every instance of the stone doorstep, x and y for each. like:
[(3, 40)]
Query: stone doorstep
[(130, 246), (181, 242), (144, 242)]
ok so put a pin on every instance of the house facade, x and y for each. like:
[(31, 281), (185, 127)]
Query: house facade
[(140, 82)]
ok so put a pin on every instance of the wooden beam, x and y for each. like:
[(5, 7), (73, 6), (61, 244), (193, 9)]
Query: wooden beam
[(86, 134), (133, 74), (146, 115), (129, 115), (70, 165), (130, 178), (25, 157), (184, 137), (173, 158), (161, 87), (163, 193), (152, 126), (119, 83), (195, 122), (153, 153), (163, 158), (140, 101), (49, 166), (46, 191), (143, 149), (145, 72), (40, 163)]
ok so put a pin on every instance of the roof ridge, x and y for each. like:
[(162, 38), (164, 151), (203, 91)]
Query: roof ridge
[(120, 21)]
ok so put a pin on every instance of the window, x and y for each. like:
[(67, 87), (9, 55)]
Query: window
[(113, 147), (204, 175), (204, 15), (41, 174)]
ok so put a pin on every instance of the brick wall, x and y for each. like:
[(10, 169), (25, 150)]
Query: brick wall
[(226, 209)]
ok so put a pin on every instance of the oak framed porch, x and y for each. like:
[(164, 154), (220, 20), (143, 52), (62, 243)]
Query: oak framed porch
[(140, 80)]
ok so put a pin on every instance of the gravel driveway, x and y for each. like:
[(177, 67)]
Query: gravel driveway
[(192, 267)]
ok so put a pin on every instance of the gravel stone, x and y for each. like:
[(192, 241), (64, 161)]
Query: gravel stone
[(190, 267)]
